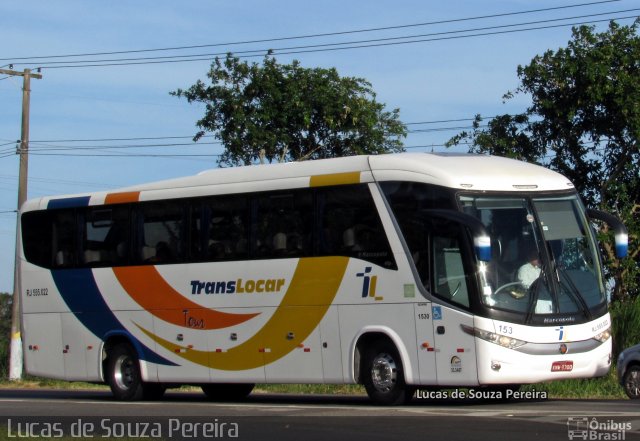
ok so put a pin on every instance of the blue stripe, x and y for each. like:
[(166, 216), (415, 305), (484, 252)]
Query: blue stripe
[(80, 292), (80, 201)]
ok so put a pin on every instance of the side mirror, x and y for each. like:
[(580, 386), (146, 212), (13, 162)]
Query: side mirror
[(619, 229), (481, 239)]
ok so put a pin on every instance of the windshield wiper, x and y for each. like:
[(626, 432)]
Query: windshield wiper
[(535, 287), (573, 291)]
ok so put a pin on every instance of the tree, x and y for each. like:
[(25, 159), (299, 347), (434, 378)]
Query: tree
[(584, 122), (6, 300), (287, 112)]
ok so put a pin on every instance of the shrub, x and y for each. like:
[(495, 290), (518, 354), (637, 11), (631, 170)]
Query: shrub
[(625, 318)]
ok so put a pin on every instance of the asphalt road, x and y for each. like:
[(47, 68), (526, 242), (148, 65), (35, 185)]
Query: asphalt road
[(184, 415)]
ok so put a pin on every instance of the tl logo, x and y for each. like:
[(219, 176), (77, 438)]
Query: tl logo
[(369, 284), (561, 334)]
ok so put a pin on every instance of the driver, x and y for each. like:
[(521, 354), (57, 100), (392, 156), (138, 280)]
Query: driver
[(530, 271)]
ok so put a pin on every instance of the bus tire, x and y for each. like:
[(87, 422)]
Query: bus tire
[(383, 375), (631, 382), (227, 391), (123, 373)]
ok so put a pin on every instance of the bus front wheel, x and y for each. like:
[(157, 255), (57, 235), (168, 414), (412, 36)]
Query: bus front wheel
[(383, 375)]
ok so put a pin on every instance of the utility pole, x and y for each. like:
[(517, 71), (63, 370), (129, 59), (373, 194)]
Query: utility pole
[(15, 360)]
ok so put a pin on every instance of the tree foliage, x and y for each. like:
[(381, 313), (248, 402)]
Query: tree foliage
[(5, 333), (584, 122), (288, 112)]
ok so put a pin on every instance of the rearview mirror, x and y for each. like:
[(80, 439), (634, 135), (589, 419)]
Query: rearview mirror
[(619, 229)]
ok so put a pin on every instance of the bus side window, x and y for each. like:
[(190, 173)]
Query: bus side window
[(161, 233), (448, 270), (64, 239), (283, 224), (350, 225), (37, 237), (106, 236), (225, 231)]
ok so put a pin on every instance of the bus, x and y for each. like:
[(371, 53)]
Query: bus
[(394, 271)]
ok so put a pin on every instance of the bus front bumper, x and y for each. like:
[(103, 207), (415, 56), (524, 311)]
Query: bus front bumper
[(500, 365)]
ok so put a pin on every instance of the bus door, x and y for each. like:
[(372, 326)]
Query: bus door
[(454, 348), (425, 342)]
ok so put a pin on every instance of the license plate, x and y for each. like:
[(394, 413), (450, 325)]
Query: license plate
[(562, 366)]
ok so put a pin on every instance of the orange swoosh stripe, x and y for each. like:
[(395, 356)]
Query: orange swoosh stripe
[(147, 287), (313, 288), (122, 198)]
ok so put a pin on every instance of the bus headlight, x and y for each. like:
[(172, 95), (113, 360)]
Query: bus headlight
[(604, 335), (498, 339)]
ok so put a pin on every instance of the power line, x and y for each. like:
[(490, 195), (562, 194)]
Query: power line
[(329, 47), (445, 129), (318, 35), (38, 146), (135, 155), (140, 138), (46, 147), (445, 121), (51, 144), (155, 138), (126, 146), (450, 37)]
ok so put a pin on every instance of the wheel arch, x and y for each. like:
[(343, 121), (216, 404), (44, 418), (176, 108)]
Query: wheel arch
[(113, 339), (366, 337)]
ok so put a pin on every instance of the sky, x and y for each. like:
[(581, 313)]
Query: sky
[(439, 62)]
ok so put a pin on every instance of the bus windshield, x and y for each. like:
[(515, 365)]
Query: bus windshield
[(545, 262)]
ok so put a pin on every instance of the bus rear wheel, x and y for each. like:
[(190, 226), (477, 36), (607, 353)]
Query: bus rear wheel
[(383, 375), (227, 391), (124, 379), (123, 373)]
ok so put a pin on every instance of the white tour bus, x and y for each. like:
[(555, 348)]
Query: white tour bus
[(393, 271)]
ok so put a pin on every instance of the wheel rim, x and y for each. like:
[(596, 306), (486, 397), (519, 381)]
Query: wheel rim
[(384, 372), (633, 383), (124, 372)]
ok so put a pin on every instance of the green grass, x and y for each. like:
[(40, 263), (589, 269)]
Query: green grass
[(316, 389), (47, 383), (606, 388)]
